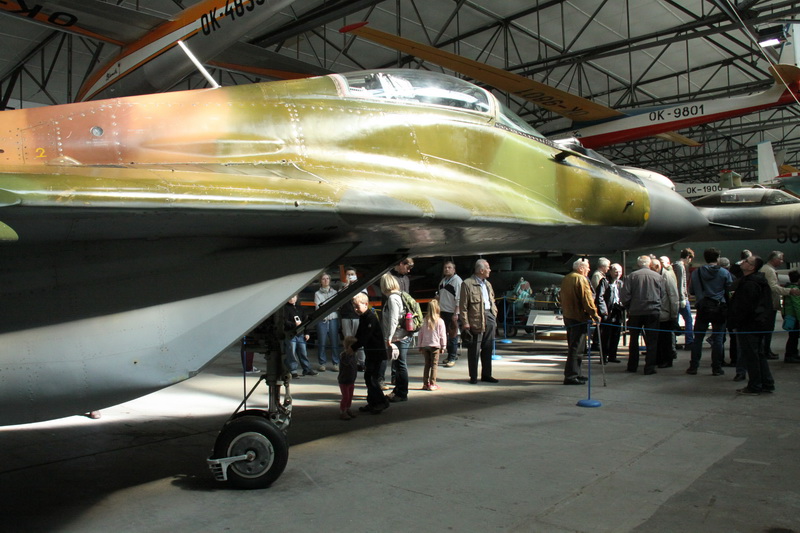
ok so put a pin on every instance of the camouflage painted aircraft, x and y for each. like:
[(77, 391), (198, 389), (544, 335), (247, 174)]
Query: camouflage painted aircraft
[(142, 235), (594, 124)]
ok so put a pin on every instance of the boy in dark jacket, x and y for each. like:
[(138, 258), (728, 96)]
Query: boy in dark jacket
[(370, 337)]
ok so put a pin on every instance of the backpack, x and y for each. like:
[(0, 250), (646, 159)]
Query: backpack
[(410, 305)]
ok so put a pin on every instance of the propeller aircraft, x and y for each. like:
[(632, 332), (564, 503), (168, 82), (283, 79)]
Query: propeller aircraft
[(142, 235), (149, 59)]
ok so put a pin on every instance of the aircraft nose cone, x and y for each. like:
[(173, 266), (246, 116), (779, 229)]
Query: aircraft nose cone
[(672, 217)]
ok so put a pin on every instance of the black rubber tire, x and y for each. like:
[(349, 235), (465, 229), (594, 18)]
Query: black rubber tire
[(511, 331), (255, 434)]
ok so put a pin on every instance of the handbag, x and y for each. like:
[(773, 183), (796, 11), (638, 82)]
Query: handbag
[(789, 323)]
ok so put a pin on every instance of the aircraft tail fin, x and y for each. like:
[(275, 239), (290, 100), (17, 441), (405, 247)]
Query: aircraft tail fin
[(767, 167)]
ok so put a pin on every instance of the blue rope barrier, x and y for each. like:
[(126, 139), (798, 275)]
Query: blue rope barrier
[(635, 328)]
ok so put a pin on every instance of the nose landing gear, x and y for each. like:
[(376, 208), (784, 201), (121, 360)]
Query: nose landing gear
[(251, 451)]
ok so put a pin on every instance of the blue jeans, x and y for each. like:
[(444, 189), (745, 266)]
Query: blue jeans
[(686, 313), (400, 366), (328, 335), (717, 321), (296, 350)]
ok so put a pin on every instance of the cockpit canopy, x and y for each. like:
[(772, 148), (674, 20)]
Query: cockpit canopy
[(432, 88), (756, 196)]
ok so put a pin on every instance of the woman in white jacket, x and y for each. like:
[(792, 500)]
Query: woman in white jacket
[(396, 335)]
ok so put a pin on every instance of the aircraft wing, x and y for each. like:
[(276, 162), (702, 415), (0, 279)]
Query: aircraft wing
[(149, 60), (98, 20), (555, 100), (677, 138)]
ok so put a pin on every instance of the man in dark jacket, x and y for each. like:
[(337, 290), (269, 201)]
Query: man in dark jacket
[(289, 317), (370, 337), (710, 285), (642, 295), (749, 316), (610, 310)]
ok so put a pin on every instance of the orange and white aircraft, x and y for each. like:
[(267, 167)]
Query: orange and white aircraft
[(594, 124), (150, 60)]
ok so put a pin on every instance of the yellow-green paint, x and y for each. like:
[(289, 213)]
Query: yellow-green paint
[(300, 143)]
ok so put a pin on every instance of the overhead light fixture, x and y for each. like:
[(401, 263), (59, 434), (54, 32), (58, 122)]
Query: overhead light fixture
[(772, 36)]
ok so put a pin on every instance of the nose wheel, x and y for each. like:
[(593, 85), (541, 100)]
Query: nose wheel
[(252, 452)]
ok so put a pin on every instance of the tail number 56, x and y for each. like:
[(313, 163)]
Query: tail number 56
[(788, 234)]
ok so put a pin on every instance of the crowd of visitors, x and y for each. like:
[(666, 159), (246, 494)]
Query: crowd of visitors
[(737, 302)]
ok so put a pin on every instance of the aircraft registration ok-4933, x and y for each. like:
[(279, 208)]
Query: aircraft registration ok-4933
[(594, 124), (149, 59), (142, 235)]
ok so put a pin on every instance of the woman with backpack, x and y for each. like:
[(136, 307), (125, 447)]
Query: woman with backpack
[(397, 338)]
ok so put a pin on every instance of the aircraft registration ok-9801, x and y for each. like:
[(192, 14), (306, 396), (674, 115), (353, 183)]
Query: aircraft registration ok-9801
[(142, 235)]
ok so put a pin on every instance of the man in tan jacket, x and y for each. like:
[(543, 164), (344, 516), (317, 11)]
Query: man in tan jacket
[(478, 314), (577, 304), (774, 260)]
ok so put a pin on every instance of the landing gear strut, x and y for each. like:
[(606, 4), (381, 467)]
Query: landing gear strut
[(251, 451)]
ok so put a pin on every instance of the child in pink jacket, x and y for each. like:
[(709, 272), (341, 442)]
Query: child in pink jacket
[(432, 339)]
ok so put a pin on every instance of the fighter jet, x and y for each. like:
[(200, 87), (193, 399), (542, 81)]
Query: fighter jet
[(142, 235)]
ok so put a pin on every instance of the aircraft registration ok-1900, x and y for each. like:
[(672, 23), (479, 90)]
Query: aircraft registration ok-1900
[(142, 235)]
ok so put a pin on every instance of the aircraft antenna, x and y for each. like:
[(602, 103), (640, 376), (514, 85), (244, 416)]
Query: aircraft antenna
[(211, 81)]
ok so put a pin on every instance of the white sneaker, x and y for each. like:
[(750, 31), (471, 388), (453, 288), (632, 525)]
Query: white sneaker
[(335, 368), (321, 368), (254, 370)]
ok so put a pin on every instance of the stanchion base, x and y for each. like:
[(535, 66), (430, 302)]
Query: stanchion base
[(505, 341), (589, 403), (496, 357)]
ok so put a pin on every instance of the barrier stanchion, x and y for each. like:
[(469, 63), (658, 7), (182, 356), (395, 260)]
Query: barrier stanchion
[(602, 357), (588, 402), (505, 339)]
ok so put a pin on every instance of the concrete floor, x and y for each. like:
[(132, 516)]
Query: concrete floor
[(664, 453)]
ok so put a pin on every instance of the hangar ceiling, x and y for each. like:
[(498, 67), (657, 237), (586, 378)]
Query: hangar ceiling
[(622, 53)]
